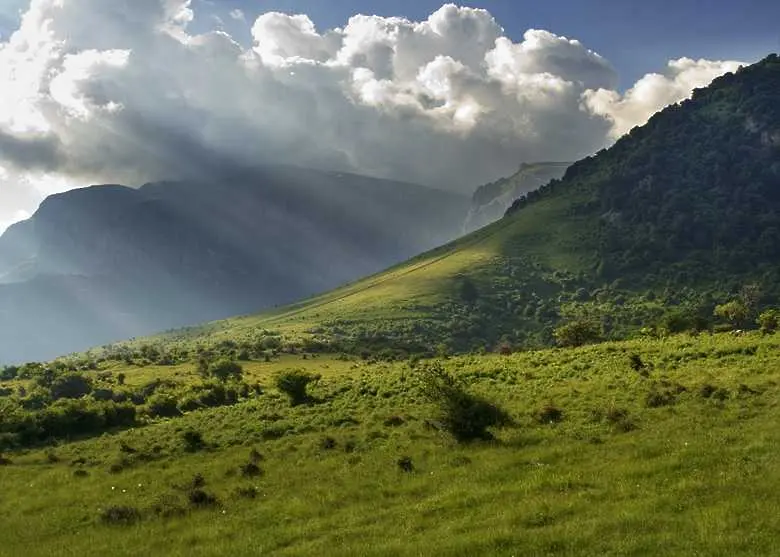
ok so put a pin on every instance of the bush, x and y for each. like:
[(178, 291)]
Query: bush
[(163, 405), (328, 443), (465, 416), (247, 492), (577, 333), (769, 321), (549, 415), (193, 441), (734, 312), (405, 464), (636, 363), (294, 383), (225, 369), (200, 498), (120, 515), (251, 470), (620, 420), (71, 385), (8, 373)]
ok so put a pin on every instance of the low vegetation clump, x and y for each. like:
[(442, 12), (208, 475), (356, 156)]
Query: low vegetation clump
[(295, 383), (467, 417)]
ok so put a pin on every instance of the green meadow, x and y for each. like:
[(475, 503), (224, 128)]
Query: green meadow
[(653, 446)]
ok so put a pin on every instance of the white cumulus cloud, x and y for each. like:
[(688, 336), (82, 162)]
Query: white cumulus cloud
[(124, 91), (654, 92)]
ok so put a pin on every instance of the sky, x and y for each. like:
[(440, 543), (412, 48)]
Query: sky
[(452, 96)]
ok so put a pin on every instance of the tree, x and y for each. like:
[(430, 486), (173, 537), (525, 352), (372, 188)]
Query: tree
[(468, 290), (71, 385), (226, 369), (577, 333), (735, 312), (294, 384), (769, 321), (465, 416)]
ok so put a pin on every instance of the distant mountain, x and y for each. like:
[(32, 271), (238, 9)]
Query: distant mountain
[(678, 216), (106, 262), (491, 201)]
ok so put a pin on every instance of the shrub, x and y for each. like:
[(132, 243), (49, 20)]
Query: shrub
[(193, 440), (8, 373), (734, 312), (250, 470), (120, 515), (247, 492), (255, 456), (769, 321), (200, 498), (465, 416), (405, 464), (549, 414), (328, 443), (636, 363), (294, 383), (197, 481), (71, 385), (577, 333), (225, 369), (619, 419), (163, 405)]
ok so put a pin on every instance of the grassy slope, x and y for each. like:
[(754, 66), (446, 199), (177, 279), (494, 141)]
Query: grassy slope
[(695, 476), (540, 236)]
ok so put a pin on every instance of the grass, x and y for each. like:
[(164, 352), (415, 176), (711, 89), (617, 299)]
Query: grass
[(697, 474)]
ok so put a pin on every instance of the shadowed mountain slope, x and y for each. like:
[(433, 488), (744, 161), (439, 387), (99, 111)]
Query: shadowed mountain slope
[(108, 262)]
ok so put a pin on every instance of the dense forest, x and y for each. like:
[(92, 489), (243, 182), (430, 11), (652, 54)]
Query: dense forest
[(692, 195)]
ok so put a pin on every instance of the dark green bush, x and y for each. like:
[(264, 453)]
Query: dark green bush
[(162, 405), (294, 383), (465, 416), (70, 385), (201, 499), (225, 369), (121, 515), (193, 440), (405, 464), (250, 470)]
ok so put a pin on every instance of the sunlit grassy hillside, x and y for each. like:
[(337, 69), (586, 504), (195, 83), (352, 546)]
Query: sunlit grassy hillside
[(663, 447)]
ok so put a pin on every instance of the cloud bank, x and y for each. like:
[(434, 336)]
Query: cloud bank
[(122, 91)]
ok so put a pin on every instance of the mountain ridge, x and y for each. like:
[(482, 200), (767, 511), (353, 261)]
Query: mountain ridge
[(603, 244), (174, 253)]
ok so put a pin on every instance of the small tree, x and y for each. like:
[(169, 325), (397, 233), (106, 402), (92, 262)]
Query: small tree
[(465, 416), (769, 321), (8, 373), (468, 290), (577, 333), (294, 383), (226, 369), (71, 385), (735, 312)]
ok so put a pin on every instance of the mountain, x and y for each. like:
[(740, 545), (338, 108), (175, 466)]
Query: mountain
[(107, 262), (491, 201), (678, 216)]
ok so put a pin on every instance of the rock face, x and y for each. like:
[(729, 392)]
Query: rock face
[(491, 201), (107, 262)]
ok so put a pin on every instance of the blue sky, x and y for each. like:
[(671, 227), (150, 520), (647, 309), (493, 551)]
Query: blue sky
[(637, 37)]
